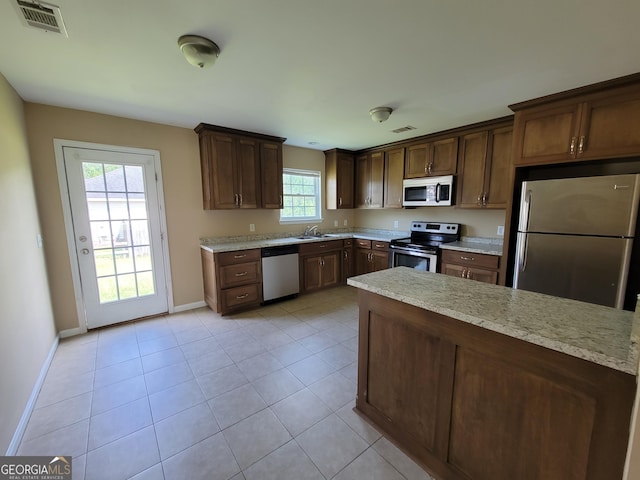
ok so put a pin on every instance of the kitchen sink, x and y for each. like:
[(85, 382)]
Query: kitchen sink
[(312, 237)]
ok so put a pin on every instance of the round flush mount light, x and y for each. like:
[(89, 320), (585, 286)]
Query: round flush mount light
[(199, 51), (380, 114)]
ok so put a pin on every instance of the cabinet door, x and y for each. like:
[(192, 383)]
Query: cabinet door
[(453, 270), (376, 179), (345, 181), (417, 161), (223, 171), (209, 279), (546, 135), (471, 181), (347, 264), (312, 276), (248, 166), (486, 276), (610, 127), (363, 172), (271, 175), (362, 263), (380, 260), (330, 269), (393, 176), (498, 169), (444, 157)]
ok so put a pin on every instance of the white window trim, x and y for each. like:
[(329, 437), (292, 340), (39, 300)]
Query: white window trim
[(303, 220)]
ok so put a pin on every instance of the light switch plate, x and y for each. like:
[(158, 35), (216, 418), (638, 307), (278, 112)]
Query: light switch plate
[(501, 230), (252, 227), (395, 224), (335, 223), (345, 223)]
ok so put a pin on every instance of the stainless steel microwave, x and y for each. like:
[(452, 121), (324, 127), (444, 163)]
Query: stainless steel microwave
[(428, 192)]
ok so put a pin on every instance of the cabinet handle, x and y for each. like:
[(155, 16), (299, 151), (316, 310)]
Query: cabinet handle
[(280, 201), (322, 262), (379, 245), (479, 201), (581, 144), (464, 273), (484, 199), (469, 274), (430, 167), (340, 201), (468, 259), (324, 245), (345, 254), (242, 274), (572, 147), (426, 167), (240, 197), (240, 256), (244, 295)]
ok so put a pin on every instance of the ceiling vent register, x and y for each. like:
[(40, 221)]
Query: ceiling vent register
[(41, 15), (403, 129)]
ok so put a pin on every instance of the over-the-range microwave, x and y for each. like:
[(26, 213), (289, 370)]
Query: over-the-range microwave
[(428, 192)]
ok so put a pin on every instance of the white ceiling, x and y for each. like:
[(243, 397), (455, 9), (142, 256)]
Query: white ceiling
[(310, 70)]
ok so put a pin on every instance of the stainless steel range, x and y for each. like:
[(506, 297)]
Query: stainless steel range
[(421, 250)]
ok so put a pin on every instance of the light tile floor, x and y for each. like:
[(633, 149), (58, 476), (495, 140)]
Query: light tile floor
[(265, 394)]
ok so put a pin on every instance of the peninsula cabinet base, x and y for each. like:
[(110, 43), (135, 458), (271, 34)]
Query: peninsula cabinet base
[(469, 403)]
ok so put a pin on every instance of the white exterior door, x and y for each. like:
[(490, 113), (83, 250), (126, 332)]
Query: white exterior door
[(117, 235)]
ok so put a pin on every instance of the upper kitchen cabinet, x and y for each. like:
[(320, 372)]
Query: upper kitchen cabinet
[(239, 169), (595, 122), (393, 176), (271, 174), (485, 168), (340, 178), (369, 180), (439, 157)]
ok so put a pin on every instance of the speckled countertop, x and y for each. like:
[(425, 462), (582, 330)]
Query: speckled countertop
[(488, 246), (601, 335), (230, 244)]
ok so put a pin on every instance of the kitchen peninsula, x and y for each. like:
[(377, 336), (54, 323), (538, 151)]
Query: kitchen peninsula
[(480, 381)]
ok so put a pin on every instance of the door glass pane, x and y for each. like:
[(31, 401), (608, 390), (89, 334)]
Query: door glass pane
[(115, 194)]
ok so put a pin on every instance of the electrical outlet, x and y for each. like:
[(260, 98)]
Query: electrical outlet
[(501, 230), (252, 227), (345, 223), (39, 240), (335, 223), (395, 224)]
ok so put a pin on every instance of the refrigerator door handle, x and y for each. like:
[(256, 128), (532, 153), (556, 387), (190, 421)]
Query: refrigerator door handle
[(525, 250), (525, 210)]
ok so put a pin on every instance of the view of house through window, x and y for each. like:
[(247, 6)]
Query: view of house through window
[(301, 196)]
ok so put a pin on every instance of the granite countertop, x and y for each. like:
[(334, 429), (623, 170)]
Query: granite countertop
[(487, 246), (230, 244), (601, 335)]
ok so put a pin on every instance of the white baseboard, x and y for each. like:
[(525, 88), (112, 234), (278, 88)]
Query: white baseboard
[(189, 306), (70, 332), (28, 409)]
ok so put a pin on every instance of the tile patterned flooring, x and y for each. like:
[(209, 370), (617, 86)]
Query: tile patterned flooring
[(265, 394)]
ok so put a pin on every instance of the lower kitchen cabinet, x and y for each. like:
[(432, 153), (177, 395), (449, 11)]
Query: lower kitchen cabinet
[(474, 266), (232, 280), (320, 264), (370, 256), (347, 259)]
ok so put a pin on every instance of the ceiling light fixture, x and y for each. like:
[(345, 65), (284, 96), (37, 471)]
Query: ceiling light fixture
[(380, 114), (199, 51)]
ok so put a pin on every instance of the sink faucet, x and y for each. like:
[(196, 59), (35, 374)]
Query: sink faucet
[(309, 231)]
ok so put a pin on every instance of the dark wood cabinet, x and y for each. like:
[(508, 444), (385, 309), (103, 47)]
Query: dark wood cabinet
[(393, 176), (232, 280), (271, 175), (370, 256), (320, 265), (369, 180), (438, 157), (473, 266), (340, 179), (595, 122), (233, 163), (485, 168), (469, 403)]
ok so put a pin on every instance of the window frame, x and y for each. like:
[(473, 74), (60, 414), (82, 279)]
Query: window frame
[(317, 175)]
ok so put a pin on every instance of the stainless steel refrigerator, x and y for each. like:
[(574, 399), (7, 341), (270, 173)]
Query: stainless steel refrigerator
[(575, 237)]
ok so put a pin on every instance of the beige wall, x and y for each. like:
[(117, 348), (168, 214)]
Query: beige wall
[(26, 322), (187, 222)]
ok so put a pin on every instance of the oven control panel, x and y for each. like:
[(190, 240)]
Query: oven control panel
[(435, 227)]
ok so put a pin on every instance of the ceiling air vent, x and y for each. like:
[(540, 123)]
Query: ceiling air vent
[(403, 129), (41, 15)]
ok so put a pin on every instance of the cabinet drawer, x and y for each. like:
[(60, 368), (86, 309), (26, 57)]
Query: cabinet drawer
[(241, 274), (467, 258), (239, 256), (363, 243), (320, 247), (239, 296), (384, 246)]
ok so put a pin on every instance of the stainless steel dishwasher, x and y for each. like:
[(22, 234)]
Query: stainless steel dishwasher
[(280, 277)]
